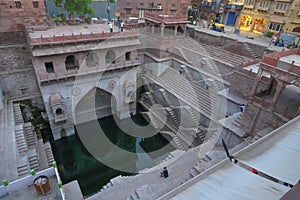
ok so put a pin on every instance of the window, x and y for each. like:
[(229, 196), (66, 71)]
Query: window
[(59, 111), (49, 67), (71, 63), (275, 26), (92, 59), (127, 3), (110, 56), (24, 90), (128, 56), (18, 4), (281, 7), (141, 4), (173, 5), (128, 11), (35, 4), (264, 4)]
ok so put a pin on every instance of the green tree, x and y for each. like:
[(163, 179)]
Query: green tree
[(80, 7)]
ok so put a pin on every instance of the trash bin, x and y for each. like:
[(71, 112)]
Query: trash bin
[(237, 31), (42, 184)]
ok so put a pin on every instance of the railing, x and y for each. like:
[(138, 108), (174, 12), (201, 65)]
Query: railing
[(159, 16), (78, 38), (273, 58), (23, 183)]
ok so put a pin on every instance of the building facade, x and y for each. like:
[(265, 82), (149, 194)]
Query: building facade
[(275, 16), (133, 8), (15, 15)]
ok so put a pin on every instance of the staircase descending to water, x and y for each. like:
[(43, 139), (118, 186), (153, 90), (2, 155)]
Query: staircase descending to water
[(216, 53), (29, 148)]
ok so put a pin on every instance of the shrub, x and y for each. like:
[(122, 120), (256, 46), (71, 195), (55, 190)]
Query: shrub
[(57, 19), (269, 34)]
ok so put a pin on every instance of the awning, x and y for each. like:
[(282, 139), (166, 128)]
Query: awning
[(277, 154), (229, 181)]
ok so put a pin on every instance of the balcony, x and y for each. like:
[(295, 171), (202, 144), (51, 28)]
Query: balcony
[(60, 118), (46, 78), (249, 6), (286, 1), (233, 7), (280, 12), (263, 9)]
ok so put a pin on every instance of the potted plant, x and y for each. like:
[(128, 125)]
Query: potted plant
[(57, 20), (64, 19), (88, 19)]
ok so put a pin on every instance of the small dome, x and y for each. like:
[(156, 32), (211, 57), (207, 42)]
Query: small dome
[(56, 98)]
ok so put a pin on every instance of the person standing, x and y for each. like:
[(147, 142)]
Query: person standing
[(243, 108), (122, 25), (110, 26), (165, 173)]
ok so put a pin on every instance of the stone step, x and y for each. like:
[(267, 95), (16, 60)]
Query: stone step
[(203, 99)]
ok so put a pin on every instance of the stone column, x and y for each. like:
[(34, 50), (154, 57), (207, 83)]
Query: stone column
[(162, 27), (153, 29), (280, 86), (257, 79), (271, 80), (175, 31), (184, 32)]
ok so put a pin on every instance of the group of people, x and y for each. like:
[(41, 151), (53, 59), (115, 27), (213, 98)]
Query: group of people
[(121, 26), (275, 41)]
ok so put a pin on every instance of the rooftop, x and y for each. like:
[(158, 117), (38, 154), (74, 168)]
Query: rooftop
[(78, 33)]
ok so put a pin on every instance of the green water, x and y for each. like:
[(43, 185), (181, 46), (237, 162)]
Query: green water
[(76, 163)]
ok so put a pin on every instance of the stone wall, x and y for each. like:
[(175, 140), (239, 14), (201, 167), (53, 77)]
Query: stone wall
[(227, 43), (17, 77), (242, 83), (13, 18)]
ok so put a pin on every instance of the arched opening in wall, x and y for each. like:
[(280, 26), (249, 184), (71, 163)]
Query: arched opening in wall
[(169, 30), (71, 63), (297, 29), (58, 107), (128, 56), (96, 102), (92, 59), (58, 112), (245, 23), (180, 29), (259, 25), (110, 57)]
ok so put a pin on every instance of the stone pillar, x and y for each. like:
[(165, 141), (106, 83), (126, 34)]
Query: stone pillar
[(153, 29), (162, 27), (271, 80), (175, 31), (184, 32), (280, 86), (257, 79)]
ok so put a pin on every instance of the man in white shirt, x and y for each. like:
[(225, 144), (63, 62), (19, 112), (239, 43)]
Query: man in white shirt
[(122, 25)]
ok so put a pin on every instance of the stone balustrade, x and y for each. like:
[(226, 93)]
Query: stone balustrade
[(73, 38)]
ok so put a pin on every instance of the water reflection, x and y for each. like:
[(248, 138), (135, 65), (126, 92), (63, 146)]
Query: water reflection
[(75, 162)]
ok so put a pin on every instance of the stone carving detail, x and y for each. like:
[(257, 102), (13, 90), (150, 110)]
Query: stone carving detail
[(129, 91), (111, 84), (76, 91), (58, 107), (13, 62)]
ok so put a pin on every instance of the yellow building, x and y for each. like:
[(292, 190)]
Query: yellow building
[(259, 16), (293, 24)]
